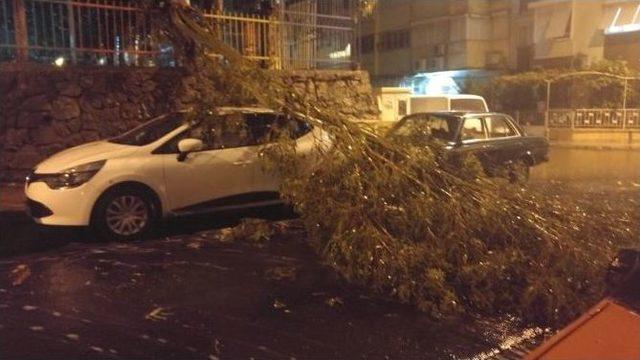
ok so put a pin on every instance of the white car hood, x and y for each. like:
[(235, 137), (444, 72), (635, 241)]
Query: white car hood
[(82, 154)]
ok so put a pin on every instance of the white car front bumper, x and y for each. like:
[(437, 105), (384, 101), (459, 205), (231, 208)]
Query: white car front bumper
[(65, 207)]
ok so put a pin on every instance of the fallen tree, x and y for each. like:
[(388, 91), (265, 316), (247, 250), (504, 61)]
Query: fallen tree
[(401, 218)]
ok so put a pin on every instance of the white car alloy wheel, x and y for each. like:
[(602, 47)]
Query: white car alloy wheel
[(127, 215), (124, 213)]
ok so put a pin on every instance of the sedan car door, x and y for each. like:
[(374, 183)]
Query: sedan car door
[(219, 174), (473, 139), (505, 142)]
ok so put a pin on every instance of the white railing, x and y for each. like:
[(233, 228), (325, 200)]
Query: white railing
[(595, 118)]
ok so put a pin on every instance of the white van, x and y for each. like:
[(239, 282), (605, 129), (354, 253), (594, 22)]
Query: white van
[(446, 102)]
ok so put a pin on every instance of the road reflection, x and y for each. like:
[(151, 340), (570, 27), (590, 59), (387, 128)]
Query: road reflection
[(589, 166)]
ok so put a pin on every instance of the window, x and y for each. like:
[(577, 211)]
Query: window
[(295, 128), (498, 126), (426, 126), (266, 128), (227, 132), (473, 129), (402, 107), (392, 40), (230, 132), (468, 105), (239, 130), (552, 22), (149, 132)]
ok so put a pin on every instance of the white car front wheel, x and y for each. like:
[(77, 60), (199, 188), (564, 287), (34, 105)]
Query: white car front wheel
[(124, 214)]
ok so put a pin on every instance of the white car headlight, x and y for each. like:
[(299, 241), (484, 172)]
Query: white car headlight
[(71, 177)]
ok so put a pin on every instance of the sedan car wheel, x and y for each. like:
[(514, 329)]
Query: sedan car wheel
[(519, 172)]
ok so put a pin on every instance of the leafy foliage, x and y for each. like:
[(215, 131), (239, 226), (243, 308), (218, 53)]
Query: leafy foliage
[(523, 91), (405, 219)]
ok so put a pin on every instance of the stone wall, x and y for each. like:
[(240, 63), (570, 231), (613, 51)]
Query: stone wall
[(45, 110)]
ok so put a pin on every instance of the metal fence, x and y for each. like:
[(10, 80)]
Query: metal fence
[(595, 118), (88, 32), (292, 40), (117, 32)]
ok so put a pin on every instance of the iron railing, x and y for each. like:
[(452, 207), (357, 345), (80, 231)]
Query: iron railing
[(82, 32), (289, 40), (595, 118), (117, 32)]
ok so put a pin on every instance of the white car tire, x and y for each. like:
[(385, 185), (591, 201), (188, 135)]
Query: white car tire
[(124, 214)]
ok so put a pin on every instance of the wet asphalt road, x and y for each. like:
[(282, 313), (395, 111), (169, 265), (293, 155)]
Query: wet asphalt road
[(588, 168), (197, 296), (192, 294)]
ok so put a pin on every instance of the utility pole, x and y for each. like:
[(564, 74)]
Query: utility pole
[(624, 103), (546, 113)]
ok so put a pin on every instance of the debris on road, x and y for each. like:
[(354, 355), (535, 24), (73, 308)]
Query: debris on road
[(334, 301), (157, 314), (279, 273), (19, 274)]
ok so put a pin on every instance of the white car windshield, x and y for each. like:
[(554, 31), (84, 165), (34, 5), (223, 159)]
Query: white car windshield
[(149, 132)]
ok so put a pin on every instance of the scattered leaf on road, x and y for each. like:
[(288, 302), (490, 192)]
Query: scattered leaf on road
[(277, 304), (281, 273), (158, 314), (334, 301), (19, 274)]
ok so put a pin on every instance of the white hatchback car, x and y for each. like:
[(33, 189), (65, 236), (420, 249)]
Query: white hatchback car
[(165, 167)]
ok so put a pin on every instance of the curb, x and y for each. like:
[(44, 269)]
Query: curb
[(11, 197), (595, 147)]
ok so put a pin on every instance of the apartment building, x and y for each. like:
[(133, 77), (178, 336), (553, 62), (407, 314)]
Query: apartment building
[(415, 39), (405, 37)]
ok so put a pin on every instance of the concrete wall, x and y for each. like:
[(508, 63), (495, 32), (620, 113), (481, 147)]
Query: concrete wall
[(45, 110)]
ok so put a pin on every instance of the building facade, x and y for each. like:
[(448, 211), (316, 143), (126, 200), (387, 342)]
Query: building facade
[(405, 38), (593, 30)]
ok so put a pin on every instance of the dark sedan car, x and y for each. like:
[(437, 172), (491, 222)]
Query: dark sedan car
[(499, 143)]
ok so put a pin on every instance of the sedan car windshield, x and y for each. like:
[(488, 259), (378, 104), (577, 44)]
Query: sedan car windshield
[(427, 126), (149, 132)]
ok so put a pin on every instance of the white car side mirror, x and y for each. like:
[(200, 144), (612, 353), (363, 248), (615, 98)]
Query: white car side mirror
[(186, 146)]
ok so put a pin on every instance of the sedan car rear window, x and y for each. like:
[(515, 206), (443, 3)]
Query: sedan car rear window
[(427, 126)]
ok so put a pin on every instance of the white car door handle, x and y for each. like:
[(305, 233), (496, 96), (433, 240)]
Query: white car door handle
[(242, 162)]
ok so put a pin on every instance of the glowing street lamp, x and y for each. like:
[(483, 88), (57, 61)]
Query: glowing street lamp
[(59, 61)]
